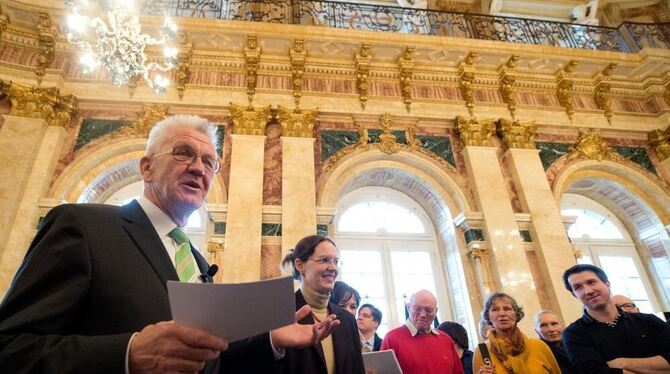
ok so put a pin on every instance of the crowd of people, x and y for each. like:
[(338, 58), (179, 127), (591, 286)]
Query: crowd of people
[(90, 297)]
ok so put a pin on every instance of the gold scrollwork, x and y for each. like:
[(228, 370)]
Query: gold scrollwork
[(146, 120), (517, 134), (466, 77), (44, 103), (406, 70), (184, 62), (252, 58), (248, 120), (660, 141), (475, 132), (362, 71), (564, 85), (602, 94), (667, 93), (47, 42), (297, 122), (507, 77), (591, 146), (387, 143), (298, 56)]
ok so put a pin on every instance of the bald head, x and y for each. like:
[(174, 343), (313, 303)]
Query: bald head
[(422, 310), (626, 304)]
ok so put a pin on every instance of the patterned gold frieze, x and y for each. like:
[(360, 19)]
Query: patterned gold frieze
[(46, 41), (590, 146), (362, 71), (507, 77), (252, 58), (298, 55), (184, 62), (466, 76), (297, 122), (475, 132), (44, 103), (146, 120), (517, 134), (248, 120), (660, 141), (564, 85), (406, 70), (602, 95)]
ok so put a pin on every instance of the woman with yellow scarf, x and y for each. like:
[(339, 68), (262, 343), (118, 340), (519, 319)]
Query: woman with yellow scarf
[(511, 351)]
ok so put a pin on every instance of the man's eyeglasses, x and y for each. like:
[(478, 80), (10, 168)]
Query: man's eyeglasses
[(418, 309), (327, 261), (186, 154)]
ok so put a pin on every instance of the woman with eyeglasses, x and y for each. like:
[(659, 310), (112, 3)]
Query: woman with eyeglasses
[(346, 297), (510, 350), (314, 262)]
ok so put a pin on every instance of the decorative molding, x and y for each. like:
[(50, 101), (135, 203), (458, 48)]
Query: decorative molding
[(477, 253), (248, 120), (215, 247), (388, 142), (252, 57), (602, 95), (590, 146), (660, 141), (297, 122), (4, 21), (507, 77), (298, 55), (475, 132), (146, 120), (466, 75), (517, 134), (46, 41), (362, 71), (43, 103), (184, 62), (406, 70), (666, 94), (564, 85)]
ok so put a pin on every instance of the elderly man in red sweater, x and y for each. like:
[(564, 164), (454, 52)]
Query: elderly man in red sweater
[(421, 348)]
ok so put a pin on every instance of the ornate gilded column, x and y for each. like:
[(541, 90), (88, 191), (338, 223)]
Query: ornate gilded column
[(552, 246), (31, 140), (298, 211), (660, 142), (505, 247), (241, 258)]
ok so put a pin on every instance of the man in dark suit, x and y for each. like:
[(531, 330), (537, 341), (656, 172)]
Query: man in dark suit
[(368, 320), (91, 297)]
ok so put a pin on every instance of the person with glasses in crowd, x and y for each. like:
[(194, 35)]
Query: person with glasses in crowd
[(510, 350), (419, 347), (625, 304), (91, 297), (369, 318), (315, 263), (346, 297)]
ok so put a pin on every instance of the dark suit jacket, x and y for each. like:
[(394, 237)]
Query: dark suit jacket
[(94, 275), (346, 345), (377, 344)]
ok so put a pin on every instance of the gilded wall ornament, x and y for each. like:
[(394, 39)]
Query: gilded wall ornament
[(146, 120), (660, 141), (517, 134), (363, 136), (184, 62), (298, 55), (297, 122), (43, 103), (602, 95), (466, 76), (412, 141), (477, 253), (248, 120), (46, 41), (564, 85), (387, 143), (474, 132), (667, 93), (591, 146), (4, 21), (252, 58), (406, 70), (362, 71), (507, 77)]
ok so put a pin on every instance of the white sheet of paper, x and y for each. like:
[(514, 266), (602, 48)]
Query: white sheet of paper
[(234, 311), (383, 362)]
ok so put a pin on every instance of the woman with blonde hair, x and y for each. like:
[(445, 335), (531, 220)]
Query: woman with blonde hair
[(511, 351)]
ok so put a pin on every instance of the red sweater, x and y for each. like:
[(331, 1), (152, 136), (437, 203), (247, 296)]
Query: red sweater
[(423, 353)]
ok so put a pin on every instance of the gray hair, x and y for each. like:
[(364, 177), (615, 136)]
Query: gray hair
[(518, 311), (158, 132), (539, 314)]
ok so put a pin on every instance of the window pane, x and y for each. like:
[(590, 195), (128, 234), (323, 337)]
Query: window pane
[(625, 280), (412, 271), (380, 216), (591, 225)]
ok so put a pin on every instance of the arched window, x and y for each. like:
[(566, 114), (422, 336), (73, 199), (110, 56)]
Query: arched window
[(389, 251)]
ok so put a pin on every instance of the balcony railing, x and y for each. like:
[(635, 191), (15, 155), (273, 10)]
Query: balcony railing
[(629, 37)]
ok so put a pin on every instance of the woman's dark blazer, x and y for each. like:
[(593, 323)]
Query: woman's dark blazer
[(346, 345)]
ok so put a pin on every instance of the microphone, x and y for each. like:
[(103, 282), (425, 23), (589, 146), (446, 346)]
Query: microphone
[(210, 272), (486, 357)]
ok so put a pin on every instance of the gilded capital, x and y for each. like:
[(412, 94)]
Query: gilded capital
[(477, 253), (44, 103), (474, 132), (248, 120), (146, 120), (660, 141), (297, 122), (591, 146), (517, 134)]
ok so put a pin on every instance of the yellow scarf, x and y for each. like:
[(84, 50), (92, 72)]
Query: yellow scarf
[(510, 351)]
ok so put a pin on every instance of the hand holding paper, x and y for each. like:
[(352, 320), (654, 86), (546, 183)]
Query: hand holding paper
[(299, 336)]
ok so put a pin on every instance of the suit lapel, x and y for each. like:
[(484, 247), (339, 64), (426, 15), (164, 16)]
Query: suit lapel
[(144, 235)]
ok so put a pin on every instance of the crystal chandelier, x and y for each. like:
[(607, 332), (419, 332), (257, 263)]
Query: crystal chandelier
[(119, 46)]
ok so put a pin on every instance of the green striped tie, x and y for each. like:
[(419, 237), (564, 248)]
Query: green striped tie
[(182, 257)]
